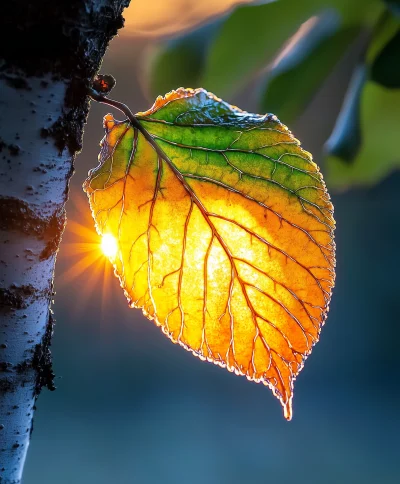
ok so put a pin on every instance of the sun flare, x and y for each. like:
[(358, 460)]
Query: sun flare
[(109, 246)]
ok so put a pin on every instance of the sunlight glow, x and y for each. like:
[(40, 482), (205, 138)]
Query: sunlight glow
[(161, 18), (109, 246)]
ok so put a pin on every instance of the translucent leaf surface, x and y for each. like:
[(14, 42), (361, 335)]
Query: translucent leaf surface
[(224, 231)]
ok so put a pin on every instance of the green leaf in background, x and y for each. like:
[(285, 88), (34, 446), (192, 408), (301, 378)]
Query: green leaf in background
[(179, 62), (362, 149), (383, 53), (252, 35), (379, 152), (385, 69), (304, 65), (345, 139), (385, 28), (247, 42)]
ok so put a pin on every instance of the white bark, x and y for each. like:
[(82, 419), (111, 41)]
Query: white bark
[(27, 259)]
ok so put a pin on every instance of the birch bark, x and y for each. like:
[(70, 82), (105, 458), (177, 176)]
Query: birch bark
[(49, 54)]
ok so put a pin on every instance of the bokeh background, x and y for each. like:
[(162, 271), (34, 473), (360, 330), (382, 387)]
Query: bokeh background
[(130, 407)]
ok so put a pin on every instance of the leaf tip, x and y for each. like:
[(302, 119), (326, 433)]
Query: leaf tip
[(288, 409)]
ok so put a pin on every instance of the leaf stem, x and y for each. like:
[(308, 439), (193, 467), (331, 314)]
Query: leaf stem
[(115, 104), (128, 113)]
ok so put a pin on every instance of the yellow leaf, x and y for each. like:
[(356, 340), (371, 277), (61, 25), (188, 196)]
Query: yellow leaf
[(224, 233)]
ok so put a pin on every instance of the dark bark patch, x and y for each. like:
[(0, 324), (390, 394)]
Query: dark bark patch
[(67, 130), (17, 82), (5, 366), (16, 297), (57, 37), (13, 149), (16, 215), (73, 53), (7, 385), (23, 367), (42, 360), (54, 231)]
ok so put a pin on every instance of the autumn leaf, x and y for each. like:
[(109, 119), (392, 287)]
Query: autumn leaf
[(223, 230)]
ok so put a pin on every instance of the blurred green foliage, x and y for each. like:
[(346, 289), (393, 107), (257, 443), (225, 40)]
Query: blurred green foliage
[(285, 50), (307, 63)]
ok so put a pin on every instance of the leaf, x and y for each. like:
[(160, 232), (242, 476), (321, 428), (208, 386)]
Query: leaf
[(224, 230), (362, 150), (384, 50), (378, 154), (304, 64), (385, 69), (233, 59), (346, 138), (385, 28), (180, 61)]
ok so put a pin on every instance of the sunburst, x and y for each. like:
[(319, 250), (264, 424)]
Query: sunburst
[(84, 258)]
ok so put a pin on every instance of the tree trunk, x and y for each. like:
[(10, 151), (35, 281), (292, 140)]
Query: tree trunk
[(50, 52)]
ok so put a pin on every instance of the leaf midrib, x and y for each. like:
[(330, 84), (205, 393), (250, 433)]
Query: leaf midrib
[(226, 249)]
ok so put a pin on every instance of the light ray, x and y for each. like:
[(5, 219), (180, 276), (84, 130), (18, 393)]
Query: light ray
[(85, 257)]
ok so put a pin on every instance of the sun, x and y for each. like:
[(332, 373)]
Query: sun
[(109, 246), (84, 259)]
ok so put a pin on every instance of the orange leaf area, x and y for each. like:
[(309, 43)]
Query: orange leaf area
[(224, 233)]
